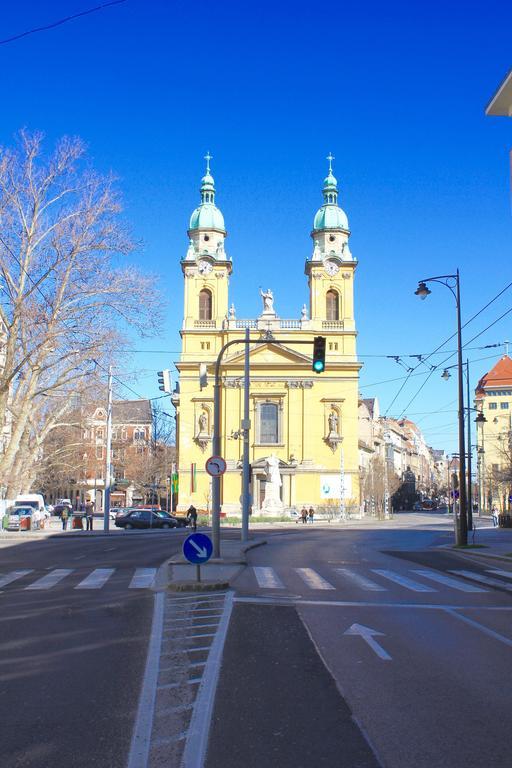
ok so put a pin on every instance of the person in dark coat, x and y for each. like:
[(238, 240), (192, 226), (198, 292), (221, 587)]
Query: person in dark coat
[(89, 513), (304, 515), (311, 515), (192, 517)]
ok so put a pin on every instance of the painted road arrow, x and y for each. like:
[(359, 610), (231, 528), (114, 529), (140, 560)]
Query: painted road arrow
[(367, 633)]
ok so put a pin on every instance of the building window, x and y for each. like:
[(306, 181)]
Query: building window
[(269, 423), (114, 433), (99, 451), (332, 306), (99, 433), (493, 406), (205, 345), (139, 435), (205, 305), (504, 406), (333, 346)]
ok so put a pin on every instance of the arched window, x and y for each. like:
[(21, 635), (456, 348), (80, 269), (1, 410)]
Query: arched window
[(269, 423), (332, 306), (205, 305)]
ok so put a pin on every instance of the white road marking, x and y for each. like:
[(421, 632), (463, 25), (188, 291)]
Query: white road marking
[(483, 579), (12, 576), (367, 633), (313, 579), (97, 579), (48, 581), (203, 634), (194, 753), (360, 581), (267, 578), (497, 572), (143, 578), (462, 586), (141, 739), (403, 581), (481, 627)]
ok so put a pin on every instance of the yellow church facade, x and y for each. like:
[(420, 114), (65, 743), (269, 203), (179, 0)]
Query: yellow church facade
[(303, 433)]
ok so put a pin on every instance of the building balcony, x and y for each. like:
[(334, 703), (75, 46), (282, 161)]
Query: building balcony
[(205, 323), (332, 325)]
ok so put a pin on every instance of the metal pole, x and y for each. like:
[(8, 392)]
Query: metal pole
[(462, 528), (342, 483), (246, 424), (108, 466), (470, 490)]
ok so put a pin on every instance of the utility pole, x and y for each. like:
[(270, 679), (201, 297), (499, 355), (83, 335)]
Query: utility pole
[(108, 463), (246, 425)]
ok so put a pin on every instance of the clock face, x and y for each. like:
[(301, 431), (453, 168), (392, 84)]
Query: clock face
[(331, 267), (204, 267)]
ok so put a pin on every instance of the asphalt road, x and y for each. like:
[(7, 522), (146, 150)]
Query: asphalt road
[(375, 627), (71, 660)]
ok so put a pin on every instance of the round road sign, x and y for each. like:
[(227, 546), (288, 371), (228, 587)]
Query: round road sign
[(215, 466)]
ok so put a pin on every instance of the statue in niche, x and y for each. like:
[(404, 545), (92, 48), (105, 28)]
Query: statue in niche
[(333, 423), (268, 302), (203, 423)]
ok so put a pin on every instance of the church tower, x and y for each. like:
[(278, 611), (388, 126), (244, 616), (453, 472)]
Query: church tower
[(331, 267), (206, 267)]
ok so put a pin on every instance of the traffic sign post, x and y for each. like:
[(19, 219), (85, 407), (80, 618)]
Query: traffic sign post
[(197, 549), (215, 466)]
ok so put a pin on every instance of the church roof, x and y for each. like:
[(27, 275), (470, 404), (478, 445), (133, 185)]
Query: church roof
[(330, 215), (207, 215), (499, 376)]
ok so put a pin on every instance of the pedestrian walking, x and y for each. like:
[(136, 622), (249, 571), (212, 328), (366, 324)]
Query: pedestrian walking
[(192, 517), (495, 516), (304, 515), (311, 515), (89, 513), (64, 516)]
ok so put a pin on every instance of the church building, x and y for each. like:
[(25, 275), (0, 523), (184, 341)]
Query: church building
[(303, 426)]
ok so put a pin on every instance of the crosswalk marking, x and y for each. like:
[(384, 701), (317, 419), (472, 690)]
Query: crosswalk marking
[(449, 582), (143, 578), (483, 579), (403, 581), (497, 572), (97, 579), (360, 581), (52, 578), (12, 576), (313, 579), (267, 578)]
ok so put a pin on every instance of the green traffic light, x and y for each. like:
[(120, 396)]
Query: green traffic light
[(318, 366)]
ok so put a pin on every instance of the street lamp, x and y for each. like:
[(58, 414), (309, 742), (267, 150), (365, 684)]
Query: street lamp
[(452, 282)]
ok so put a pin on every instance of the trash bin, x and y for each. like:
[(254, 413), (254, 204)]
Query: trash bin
[(505, 521), (77, 522)]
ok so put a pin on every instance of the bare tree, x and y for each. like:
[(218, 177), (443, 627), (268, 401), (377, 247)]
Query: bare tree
[(66, 300)]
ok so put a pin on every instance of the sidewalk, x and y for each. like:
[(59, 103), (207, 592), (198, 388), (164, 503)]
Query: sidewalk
[(217, 572), (491, 542)]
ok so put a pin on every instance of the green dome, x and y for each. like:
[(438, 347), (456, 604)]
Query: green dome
[(330, 180), (330, 217), (207, 216)]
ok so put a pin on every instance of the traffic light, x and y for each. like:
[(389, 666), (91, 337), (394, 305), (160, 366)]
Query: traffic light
[(319, 354), (164, 380)]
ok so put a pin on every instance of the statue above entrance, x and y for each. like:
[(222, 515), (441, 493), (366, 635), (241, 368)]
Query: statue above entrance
[(268, 302)]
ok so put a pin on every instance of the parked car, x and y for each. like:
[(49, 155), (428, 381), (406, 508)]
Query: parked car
[(417, 506), (145, 518), (180, 522), (24, 518)]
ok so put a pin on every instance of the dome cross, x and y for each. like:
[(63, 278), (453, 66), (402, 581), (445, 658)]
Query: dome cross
[(330, 157), (208, 157)]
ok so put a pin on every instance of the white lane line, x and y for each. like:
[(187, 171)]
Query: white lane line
[(143, 578), (481, 627), (462, 586), (49, 581), (12, 576), (483, 579), (267, 578), (141, 739), (202, 634), (360, 581), (313, 579), (497, 572), (97, 579), (403, 581), (194, 754)]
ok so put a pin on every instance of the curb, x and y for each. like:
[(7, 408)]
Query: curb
[(197, 586)]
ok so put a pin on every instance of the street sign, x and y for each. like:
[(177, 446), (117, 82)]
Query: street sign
[(197, 548), (215, 466)]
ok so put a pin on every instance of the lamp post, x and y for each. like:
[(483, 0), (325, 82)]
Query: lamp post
[(461, 537), (480, 421)]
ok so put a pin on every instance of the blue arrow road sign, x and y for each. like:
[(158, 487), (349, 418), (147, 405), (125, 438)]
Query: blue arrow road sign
[(197, 548)]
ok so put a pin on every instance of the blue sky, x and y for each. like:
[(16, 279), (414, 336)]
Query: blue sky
[(395, 90)]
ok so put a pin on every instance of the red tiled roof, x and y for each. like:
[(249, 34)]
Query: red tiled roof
[(499, 376)]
